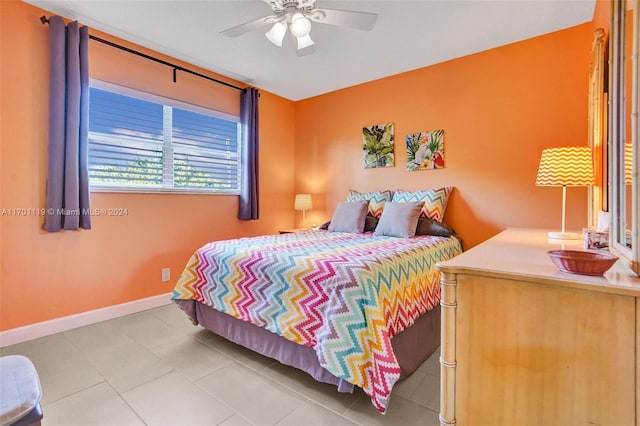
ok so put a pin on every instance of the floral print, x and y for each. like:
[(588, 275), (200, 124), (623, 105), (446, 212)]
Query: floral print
[(425, 150), (378, 146)]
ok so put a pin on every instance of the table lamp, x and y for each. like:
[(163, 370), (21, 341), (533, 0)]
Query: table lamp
[(565, 166), (303, 202)]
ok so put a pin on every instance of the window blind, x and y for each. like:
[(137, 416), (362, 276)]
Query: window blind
[(155, 145)]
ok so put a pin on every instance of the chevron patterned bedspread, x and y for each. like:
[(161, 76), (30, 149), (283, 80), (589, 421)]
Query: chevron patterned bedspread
[(346, 295)]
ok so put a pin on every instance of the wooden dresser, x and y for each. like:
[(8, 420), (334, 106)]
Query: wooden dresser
[(525, 344)]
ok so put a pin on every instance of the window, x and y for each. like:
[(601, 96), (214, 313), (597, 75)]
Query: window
[(140, 142)]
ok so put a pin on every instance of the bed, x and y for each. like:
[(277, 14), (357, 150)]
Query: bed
[(351, 309)]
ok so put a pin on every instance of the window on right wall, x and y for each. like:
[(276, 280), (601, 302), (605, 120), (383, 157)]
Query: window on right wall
[(139, 142)]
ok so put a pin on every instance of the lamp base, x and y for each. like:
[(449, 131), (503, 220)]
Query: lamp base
[(564, 236)]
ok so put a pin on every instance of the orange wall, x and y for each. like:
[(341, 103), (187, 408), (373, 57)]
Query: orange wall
[(45, 276), (602, 15), (498, 109)]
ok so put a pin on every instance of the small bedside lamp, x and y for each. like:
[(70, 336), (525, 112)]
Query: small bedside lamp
[(567, 166), (303, 202)]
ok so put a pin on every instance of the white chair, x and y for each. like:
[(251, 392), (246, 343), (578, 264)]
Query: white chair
[(20, 392)]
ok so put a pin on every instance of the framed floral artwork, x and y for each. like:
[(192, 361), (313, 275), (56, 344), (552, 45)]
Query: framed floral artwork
[(378, 146), (425, 150)]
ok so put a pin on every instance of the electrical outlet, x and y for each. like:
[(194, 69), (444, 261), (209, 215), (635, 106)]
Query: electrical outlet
[(166, 274)]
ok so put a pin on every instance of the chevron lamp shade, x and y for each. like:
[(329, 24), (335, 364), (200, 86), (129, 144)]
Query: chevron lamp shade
[(628, 163), (565, 166)]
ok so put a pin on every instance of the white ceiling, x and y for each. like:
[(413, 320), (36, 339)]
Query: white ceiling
[(408, 35)]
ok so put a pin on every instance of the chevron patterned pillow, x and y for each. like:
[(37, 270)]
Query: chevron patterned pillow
[(376, 200), (435, 201)]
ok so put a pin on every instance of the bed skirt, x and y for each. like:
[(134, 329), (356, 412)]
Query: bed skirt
[(411, 347)]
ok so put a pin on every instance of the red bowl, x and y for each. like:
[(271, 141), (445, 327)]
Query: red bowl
[(582, 262)]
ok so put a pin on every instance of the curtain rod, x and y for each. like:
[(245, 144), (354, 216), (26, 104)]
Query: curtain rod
[(175, 67)]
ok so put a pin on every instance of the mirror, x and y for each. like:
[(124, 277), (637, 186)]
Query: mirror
[(623, 131), (597, 119)]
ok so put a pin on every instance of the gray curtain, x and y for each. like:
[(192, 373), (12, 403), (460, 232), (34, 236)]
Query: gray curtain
[(67, 175), (249, 161)]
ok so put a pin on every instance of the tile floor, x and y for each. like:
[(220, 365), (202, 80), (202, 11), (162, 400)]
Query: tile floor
[(155, 368)]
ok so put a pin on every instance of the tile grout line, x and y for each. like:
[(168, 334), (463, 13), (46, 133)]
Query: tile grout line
[(48, 404), (309, 399), (221, 402), (127, 404)]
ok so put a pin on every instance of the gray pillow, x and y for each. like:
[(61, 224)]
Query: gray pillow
[(370, 223), (399, 219), (427, 226), (349, 217)]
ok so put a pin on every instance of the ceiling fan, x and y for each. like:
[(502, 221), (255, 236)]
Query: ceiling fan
[(296, 15)]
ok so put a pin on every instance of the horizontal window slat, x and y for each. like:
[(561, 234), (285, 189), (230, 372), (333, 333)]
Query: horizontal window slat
[(104, 170), (126, 153), (116, 127), (177, 169), (195, 129), (220, 167), (206, 143), (195, 125), (136, 179), (126, 113), (199, 174), (204, 136), (123, 140), (201, 155)]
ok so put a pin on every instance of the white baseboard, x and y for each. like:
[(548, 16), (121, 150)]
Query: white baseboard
[(58, 325)]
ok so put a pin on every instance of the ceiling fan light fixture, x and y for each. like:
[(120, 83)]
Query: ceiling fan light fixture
[(304, 41), (297, 17), (300, 26), (276, 34)]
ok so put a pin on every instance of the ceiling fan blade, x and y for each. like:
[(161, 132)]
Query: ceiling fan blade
[(248, 26), (346, 18)]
